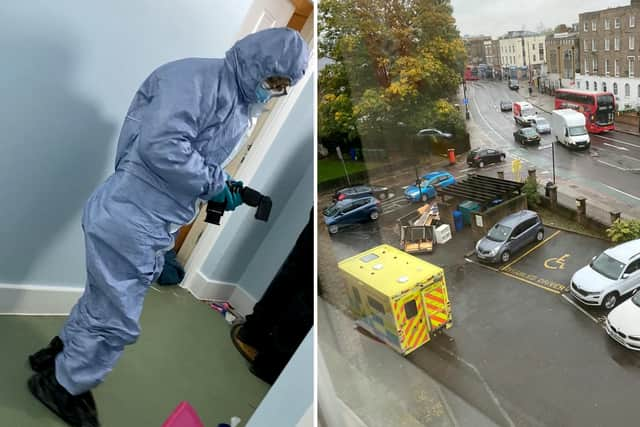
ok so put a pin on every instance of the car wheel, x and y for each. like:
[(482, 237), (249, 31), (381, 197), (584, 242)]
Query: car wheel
[(540, 236), (333, 229), (481, 164), (374, 215), (425, 198), (506, 256), (503, 157), (610, 300)]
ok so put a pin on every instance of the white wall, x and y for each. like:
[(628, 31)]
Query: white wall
[(68, 73), (623, 102)]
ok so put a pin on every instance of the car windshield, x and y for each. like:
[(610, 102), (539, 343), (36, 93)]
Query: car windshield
[(528, 112), (499, 233), (331, 210), (528, 132), (542, 122), (636, 299), (577, 131), (607, 266)]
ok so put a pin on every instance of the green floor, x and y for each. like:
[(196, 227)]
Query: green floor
[(184, 353)]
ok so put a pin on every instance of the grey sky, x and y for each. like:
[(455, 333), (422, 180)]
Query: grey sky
[(496, 17)]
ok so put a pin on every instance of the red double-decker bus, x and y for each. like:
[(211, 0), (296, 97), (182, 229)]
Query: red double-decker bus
[(471, 73), (597, 107)]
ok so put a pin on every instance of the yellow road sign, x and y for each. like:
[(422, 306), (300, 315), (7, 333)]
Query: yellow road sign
[(515, 168)]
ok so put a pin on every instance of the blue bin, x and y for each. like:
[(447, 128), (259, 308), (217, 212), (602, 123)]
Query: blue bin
[(458, 220)]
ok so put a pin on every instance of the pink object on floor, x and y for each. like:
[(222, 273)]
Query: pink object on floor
[(183, 416)]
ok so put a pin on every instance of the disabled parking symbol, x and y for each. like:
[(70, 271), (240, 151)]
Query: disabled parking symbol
[(556, 263)]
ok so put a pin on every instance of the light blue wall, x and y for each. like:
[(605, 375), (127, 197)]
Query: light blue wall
[(292, 394), (249, 252), (69, 70)]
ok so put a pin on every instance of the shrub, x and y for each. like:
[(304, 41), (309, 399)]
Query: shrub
[(530, 189), (624, 230)]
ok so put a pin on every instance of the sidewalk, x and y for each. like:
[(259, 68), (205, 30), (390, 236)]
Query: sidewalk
[(546, 104)]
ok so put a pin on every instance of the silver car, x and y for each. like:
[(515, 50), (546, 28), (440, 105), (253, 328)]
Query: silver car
[(542, 125), (510, 235), (610, 275)]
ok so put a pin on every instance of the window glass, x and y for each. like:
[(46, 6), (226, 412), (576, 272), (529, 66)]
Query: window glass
[(410, 309)]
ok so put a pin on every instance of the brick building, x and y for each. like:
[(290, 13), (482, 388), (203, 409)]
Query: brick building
[(610, 51)]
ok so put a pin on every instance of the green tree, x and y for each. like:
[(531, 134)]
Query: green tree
[(400, 62), (624, 230)]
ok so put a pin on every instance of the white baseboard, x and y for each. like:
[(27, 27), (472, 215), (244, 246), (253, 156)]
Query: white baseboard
[(206, 289), (37, 300)]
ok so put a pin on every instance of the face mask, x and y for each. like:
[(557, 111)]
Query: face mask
[(263, 94)]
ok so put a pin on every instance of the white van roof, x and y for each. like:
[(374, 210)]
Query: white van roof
[(566, 112)]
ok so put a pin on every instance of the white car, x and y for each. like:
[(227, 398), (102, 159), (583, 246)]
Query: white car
[(542, 125), (609, 276), (623, 323)]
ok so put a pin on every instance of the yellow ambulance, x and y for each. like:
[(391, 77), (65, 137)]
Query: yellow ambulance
[(397, 297)]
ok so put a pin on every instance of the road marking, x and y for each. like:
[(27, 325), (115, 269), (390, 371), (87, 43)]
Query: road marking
[(487, 122), (622, 192), (531, 250), (529, 282), (466, 170), (612, 166), (484, 383), (585, 312), (618, 141), (556, 263), (481, 265), (615, 146)]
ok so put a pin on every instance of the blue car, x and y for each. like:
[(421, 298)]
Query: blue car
[(429, 185), (351, 211)]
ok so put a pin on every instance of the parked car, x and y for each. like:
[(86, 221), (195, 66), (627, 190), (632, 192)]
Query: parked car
[(609, 276), (623, 323), (505, 106), (429, 185), (510, 235), (357, 191), (351, 211), (542, 125), (513, 84), (480, 157), (526, 136)]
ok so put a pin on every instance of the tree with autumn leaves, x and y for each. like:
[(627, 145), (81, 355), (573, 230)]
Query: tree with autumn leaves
[(393, 67)]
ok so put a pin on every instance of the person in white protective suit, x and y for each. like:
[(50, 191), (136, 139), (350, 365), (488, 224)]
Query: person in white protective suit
[(183, 125)]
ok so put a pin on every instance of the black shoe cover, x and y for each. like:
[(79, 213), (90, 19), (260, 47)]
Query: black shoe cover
[(45, 358), (77, 411)]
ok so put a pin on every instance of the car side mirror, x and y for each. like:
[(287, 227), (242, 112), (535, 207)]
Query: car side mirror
[(594, 258), (625, 275)]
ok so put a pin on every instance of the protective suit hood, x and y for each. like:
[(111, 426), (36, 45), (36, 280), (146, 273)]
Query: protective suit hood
[(272, 52)]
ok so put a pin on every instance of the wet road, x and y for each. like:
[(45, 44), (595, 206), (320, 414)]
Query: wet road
[(608, 174)]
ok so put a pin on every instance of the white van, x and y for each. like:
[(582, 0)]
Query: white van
[(568, 128), (524, 113)]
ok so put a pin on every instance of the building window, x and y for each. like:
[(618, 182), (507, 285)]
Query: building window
[(616, 43), (586, 70), (615, 88), (604, 86), (595, 86), (606, 44), (616, 68), (638, 91), (594, 65), (606, 67), (607, 24), (586, 27), (616, 22), (586, 46), (593, 45), (632, 21), (632, 66), (632, 42), (579, 85), (594, 25), (586, 85), (627, 89)]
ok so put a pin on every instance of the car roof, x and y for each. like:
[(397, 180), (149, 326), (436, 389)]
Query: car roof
[(517, 217), (435, 174), (625, 252)]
